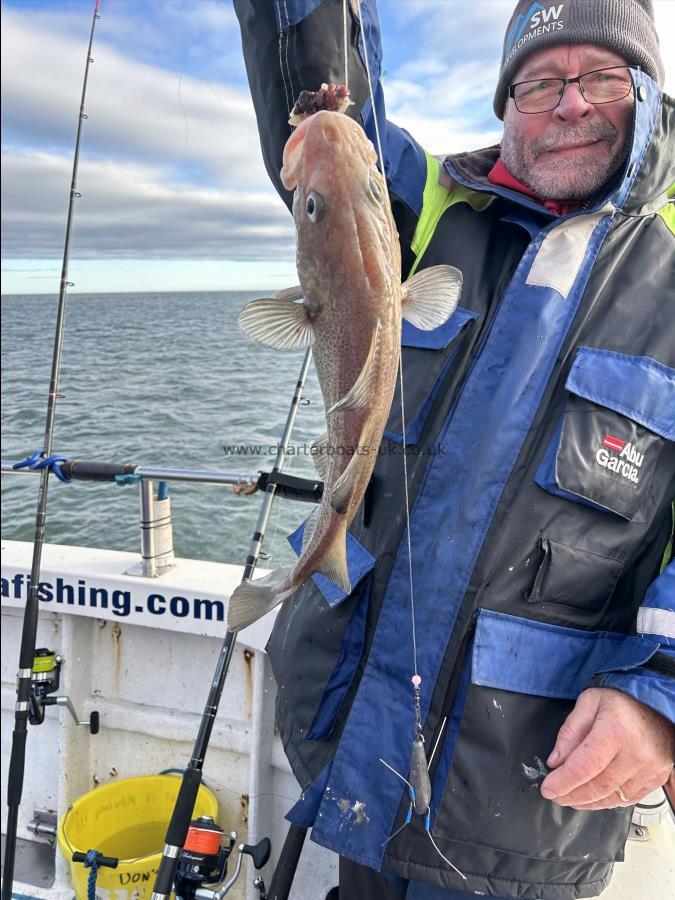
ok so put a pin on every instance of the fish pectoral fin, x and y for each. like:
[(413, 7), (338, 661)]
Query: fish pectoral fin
[(291, 293), (431, 296), (361, 392), (252, 599), (278, 323), (319, 454), (310, 526), (334, 564)]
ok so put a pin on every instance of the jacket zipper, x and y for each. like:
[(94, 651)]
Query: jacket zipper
[(448, 706)]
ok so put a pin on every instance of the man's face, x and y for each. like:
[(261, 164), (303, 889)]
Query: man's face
[(571, 151)]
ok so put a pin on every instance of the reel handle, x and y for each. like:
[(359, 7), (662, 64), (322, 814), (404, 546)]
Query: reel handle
[(259, 852), (93, 722)]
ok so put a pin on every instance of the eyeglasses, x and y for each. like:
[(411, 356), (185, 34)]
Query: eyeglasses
[(599, 86)]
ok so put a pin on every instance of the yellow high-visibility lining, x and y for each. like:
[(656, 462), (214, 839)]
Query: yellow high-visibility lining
[(435, 200)]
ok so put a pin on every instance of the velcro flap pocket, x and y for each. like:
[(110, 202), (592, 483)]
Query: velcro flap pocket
[(620, 412), (528, 657), (359, 563), (423, 372), (575, 577), (635, 386)]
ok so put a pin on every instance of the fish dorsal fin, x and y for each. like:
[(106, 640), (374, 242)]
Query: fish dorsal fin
[(310, 526), (291, 293), (278, 323), (334, 563), (361, 393), (430, 297), (319, 453)]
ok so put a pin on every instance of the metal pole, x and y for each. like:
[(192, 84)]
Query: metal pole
[(182, 813), (148, 547), (30, 619), (91, 470)]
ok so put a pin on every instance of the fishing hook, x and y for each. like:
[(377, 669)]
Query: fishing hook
[(426, 812)]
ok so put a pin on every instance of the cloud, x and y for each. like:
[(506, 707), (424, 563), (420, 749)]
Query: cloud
[(131, 210), (452, 30), (136, 110), (170, 165), (440, 83)]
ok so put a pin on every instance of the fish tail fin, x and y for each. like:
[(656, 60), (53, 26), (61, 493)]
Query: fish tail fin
[(334, 563), (252, 599)]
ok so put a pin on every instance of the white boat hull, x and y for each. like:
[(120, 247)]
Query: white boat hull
[(145, 660)]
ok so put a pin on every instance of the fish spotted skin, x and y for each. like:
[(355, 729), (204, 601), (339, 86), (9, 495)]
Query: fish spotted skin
[(349, 265)]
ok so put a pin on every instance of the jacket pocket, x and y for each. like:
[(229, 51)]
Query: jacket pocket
[(424, 372), (317, 643), (619, 414), (574, 577), (522, 679)]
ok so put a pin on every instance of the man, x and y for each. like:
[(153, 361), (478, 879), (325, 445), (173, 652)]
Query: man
[(542, 417)]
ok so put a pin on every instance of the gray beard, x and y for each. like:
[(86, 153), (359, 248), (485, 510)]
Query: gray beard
[(567, 179)]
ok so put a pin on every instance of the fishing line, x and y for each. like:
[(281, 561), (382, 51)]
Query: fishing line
[(345, 40), (288, 40), (420, 791), (416, 680), (281, 56), (180, 99)]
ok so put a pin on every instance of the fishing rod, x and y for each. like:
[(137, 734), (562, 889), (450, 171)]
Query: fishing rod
[(177, 830), (30, 619)]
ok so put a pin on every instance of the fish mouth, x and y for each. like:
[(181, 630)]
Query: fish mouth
[(322, 136), (328, 132)]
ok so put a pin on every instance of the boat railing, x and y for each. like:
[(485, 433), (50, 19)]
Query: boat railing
[(156, 533)]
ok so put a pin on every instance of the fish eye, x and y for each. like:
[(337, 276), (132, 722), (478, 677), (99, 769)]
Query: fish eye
[(315, 206), (375, 189)]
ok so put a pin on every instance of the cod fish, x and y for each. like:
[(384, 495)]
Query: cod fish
[(348, 307)]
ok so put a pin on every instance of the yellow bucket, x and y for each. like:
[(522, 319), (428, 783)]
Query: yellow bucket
[(126, 819)]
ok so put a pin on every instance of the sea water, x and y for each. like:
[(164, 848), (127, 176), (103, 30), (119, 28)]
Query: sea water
[(165, 379)]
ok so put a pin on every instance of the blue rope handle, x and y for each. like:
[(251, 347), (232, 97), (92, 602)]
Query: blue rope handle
[(38, 461), (91, 861)]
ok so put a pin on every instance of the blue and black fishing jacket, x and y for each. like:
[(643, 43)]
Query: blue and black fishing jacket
[(540, 424)]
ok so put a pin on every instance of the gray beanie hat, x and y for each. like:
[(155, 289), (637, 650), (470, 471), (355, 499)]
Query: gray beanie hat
[(624, 26)]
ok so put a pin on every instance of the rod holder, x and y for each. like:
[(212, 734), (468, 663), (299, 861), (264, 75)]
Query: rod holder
[(156, 531)]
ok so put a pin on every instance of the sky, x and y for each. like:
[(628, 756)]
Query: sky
[(174, 192)]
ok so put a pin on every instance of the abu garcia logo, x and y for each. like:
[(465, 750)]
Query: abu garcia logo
[(539, 19), (626, 463)]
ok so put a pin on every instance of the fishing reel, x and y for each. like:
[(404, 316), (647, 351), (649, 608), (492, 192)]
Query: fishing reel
[(203, 860), (45, 681)]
